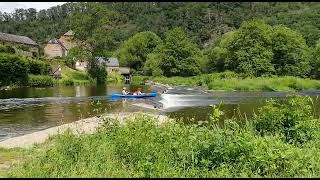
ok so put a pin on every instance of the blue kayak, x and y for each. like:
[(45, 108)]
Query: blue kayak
[(153, 94)]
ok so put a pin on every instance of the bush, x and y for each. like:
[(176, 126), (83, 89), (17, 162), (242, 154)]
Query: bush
[(40, 81), (7, 49), (291, 119), (13, 70), (115, 77), (38, 67)]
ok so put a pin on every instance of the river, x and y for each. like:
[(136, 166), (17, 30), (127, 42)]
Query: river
[(25, 110)]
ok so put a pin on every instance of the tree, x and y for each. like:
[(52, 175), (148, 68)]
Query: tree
[(134, 51), (315, 61), (249, 51), (152, 65), (77, 54), (98, 27), (179, 56), (291, 53), (97, 71), (216, 55)]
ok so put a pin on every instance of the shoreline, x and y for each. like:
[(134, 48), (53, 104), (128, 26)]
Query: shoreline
[(83, 126)]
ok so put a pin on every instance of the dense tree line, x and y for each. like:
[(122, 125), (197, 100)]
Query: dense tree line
[(185, 39), (205, 21)]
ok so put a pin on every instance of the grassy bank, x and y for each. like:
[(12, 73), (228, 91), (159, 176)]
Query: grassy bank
[(74, 77), (70, 77), (231, 82), (40, 81), (9, 157), (282, 140)]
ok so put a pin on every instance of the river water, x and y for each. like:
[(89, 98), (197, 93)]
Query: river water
[(25, 110)]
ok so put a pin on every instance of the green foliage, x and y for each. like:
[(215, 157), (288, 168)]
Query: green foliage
[(231, 81), (72, 77), (115, 77), (152, 65), (38, 67), (249, 52), (98, 26), (97, 71), (178, 56), (291, 53), (76, 54), (315, 61), (142, 147), (134, 51), (7, 49), (257, 49), (40, 81), (291, 119), (13, 70)]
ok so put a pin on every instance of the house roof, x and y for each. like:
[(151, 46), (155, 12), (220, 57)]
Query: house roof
[(16, 38), (113, 62), (101, 60), (56, 41), (69, 33)]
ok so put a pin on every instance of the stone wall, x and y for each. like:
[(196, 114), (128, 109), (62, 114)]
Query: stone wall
[(111, 69), (53, 50), (68, 42)]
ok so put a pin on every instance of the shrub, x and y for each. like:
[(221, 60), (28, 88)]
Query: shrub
[(7, 49), (13, 70), (38, 67), (289, 118), (115, 77)]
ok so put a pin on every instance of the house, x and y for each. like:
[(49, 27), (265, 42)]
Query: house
[(23, 45), (60, 47), (112, 65)]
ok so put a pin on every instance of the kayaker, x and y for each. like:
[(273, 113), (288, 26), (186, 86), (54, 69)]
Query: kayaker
[(124, 91), (138, 92)]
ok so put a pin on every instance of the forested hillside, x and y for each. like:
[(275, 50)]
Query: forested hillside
[(203, 21), (186, 38)]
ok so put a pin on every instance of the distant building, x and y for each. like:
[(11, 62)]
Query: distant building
[(60, 47), (112, 65), (23, 45)]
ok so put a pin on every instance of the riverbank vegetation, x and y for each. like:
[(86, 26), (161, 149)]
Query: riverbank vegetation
[(229, 81), (281, 140)]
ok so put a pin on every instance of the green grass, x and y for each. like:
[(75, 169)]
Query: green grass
[(231, 82), (74, 77), (8, 157), (282, 140), (40, 81)]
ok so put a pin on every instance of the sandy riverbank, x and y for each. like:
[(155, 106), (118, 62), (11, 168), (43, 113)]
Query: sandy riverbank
[(87, 126)]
